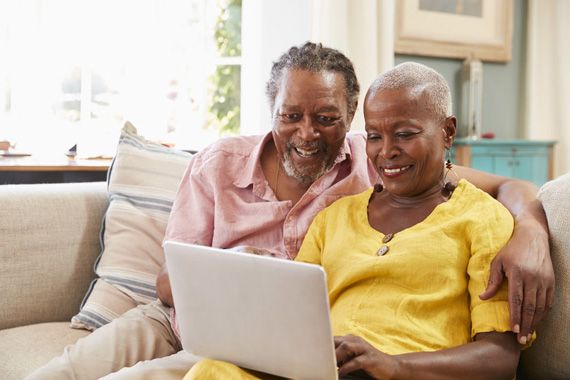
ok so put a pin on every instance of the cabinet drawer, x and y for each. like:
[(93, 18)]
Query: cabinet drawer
[(509, 150)]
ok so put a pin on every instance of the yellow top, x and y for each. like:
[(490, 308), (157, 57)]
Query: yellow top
[(422, 295)]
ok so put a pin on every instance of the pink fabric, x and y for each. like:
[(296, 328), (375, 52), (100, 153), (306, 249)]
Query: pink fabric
[(225, 201)]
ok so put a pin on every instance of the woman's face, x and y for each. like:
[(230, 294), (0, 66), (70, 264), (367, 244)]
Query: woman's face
[(310, 121), (406, 141)]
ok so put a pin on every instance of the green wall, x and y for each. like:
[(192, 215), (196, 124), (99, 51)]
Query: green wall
[(503, 83)]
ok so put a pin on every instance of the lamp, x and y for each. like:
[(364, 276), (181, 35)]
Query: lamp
[(472, 97)]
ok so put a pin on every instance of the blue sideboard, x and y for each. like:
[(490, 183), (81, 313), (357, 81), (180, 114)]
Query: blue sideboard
[(523, 159)]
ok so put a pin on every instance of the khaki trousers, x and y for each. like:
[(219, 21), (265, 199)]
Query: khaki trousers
[(138, 345)]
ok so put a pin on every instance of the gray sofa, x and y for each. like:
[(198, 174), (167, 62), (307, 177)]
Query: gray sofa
[(50, 241)]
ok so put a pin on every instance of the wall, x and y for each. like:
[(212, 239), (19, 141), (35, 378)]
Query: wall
[(269, 28), (503, 83)]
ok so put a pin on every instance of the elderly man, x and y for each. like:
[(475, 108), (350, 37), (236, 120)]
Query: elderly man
[(263, 192)]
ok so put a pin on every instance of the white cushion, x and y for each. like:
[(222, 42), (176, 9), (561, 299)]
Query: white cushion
[(142, 184)]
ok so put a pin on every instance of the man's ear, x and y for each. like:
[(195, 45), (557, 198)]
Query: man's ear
[(351, 115), (449, 129)]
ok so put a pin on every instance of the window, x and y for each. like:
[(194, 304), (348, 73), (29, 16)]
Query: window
[(74, 70)]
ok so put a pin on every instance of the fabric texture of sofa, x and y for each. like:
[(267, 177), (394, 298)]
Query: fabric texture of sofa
[(50, 243)]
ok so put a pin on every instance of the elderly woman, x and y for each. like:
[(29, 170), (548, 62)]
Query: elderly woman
[(406, 261)]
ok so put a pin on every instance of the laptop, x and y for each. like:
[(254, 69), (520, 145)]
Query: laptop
[(261, 313)]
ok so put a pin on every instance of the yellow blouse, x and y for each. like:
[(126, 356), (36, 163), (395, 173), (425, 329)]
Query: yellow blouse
[(422, 295)]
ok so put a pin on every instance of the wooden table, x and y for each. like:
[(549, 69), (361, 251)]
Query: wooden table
[(32, 169)]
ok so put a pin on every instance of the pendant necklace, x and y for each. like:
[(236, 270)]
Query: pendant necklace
[(383, 249)]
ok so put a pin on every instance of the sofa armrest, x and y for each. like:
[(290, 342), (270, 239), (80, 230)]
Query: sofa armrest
[(49, 243), (549, 356)]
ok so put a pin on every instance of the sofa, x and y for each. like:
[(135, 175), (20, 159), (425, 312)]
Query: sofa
[(50, 242)]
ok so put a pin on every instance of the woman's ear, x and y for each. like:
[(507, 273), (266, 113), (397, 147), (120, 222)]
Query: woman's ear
[(449, 129)]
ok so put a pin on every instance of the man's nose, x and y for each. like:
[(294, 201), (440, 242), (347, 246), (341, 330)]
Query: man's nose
[(307, 130)]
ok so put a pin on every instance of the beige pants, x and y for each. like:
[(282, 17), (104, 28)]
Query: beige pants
[(138, 345)]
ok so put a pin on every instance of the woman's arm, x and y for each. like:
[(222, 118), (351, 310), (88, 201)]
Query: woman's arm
[(491, 356), (525, 260)]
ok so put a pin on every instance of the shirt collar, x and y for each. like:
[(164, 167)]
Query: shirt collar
[(253, 173)]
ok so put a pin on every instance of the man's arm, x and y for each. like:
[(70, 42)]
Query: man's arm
[(525, 260), (491, 356), (163, 289), (191, 219)]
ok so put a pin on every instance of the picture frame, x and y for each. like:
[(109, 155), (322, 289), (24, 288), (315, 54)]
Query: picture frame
[(463, 29)]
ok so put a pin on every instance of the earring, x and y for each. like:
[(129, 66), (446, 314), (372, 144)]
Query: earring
[(378, 186), (448, 187)]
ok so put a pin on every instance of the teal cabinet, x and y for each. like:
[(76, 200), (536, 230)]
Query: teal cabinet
[(523, 159)]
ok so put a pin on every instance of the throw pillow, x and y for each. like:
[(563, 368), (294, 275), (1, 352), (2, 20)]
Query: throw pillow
[(142, 184)]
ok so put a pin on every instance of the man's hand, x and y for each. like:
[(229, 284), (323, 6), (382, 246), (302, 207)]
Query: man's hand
[(526, 262), (163, 290), (254, 250), (355, 354)]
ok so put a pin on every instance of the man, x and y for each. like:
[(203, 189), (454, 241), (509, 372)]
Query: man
[(263, 192)]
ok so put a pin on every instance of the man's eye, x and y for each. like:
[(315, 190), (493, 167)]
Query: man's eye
[(373, 137), (326, 120), (291, 116), (404, 134)]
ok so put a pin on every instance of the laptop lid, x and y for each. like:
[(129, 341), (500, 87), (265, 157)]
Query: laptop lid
[(261, 313)]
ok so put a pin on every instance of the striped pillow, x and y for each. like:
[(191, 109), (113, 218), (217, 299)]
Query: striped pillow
[(142, 184)]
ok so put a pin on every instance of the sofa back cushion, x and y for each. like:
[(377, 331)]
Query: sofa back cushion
[(142, 184), (549, 355), (49, 240)]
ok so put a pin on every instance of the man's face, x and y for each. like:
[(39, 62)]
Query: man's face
[(405, 140), (310, 120)]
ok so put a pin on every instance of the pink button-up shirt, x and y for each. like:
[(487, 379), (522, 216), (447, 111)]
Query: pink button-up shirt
[(224, 199)]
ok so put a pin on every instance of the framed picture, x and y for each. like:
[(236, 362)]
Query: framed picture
[(476, 29)]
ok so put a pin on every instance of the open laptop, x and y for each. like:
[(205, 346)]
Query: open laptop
[(266, 314)]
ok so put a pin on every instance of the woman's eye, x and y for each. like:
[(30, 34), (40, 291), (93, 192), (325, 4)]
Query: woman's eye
[(404, 134), (373, 137)]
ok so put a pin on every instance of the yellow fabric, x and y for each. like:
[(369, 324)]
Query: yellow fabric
[(208, 369), (420, 296), (423, 294)]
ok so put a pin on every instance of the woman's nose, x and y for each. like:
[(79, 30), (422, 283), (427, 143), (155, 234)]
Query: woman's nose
[(389, 149)]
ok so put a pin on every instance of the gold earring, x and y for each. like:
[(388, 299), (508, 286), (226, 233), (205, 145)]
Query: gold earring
[(448, 187)]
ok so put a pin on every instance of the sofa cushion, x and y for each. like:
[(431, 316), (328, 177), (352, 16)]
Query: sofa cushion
[(549, 356), (48, 244), (26, 348), (142, 184)]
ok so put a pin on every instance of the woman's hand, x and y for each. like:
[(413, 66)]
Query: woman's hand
[(355, 354)]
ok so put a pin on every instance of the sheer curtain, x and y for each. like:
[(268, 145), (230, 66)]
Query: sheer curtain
[(548, 77), (364, 31)]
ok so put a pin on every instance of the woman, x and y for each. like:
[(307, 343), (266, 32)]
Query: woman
[(406, 261)]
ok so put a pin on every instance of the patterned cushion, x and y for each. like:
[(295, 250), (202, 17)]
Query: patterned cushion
[(549, 356), (142, 184)]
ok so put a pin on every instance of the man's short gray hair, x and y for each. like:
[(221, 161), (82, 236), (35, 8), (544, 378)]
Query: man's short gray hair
[(412, 74), (315, 58)]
